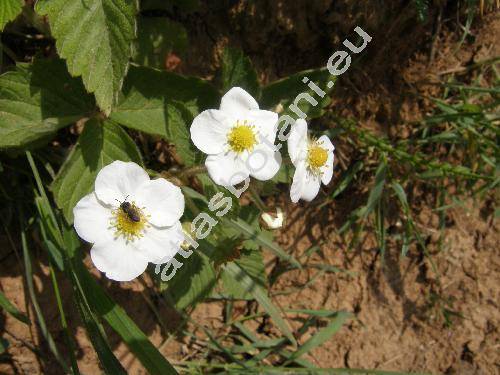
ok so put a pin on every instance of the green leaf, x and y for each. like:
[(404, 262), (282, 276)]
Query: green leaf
[(9, 9), (95, 37), (346, 178), (12, 310), (377, 189), (164, 104), (261, 238), (156, 37), (4, 345), (36, 100), (95, 331), (237, 70), (285, 91), (118, 319), (320, 337), (193, 282), (252, 263), (38, 311), (247, 283), (99, 145)]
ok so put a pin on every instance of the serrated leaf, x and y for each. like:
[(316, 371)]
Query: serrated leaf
[(237, 70), (285, 91), (99, 145), (9, 9), (193, 282), (38, 99), (164, 104), (156, 37), (95, 37)]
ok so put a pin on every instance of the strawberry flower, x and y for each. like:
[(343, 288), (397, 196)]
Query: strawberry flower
[(130, 220), (238, 139), (313, 161)]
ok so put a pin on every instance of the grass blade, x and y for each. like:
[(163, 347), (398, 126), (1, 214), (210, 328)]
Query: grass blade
[(12, 310), (260, 295), (118, 319), (38, 311), (250, 233), (321, 336)]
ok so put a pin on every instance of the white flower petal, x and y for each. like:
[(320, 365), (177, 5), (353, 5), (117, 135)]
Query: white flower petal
[(226, 169), (328, 169), (263, 162), (237, 102), (92, 219), (162, 200), (297, 141), (209, 131), (298, 182), (161, 244), (305, 185), (118, 180), (118, 260), (325, 142), (311, 187), (273, 222), (265, 122)]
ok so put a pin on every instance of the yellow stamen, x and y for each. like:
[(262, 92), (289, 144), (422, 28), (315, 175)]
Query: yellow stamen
[(125, 226), (316, 156), (242, 137)]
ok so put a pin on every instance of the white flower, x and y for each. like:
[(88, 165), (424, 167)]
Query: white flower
[(126, 237), (238, 138), (273, 222), (313, 161)]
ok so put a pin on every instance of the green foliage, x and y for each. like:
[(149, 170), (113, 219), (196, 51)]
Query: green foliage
[(248, 284), (156, 37), (164, 104), (9, 9), (252, 263), (193, 282), (12, 310), (101, 143), (422, 8), (284, 92), (36, 100), (95, 38), (96, 41), (237, 70)]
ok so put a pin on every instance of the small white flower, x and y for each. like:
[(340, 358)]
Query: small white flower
[(126, 237), (273, 222), (313, 161), (238, 138)]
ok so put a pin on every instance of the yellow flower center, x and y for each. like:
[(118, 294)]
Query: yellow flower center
[(129, 222), (242, 137), (316, 156)]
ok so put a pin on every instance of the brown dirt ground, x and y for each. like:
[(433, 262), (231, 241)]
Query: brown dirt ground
[(398, 303)]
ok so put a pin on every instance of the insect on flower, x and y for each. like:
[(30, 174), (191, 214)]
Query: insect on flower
[(143, 228), (131, 210)]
